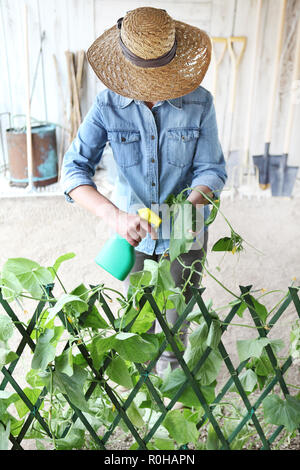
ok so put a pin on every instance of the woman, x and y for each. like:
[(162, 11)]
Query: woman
[(161, 126)]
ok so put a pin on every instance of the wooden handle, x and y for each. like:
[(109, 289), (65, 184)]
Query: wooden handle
[(28, 110), (291, 112), (252, 83), (235, 62), (217, 60), (276, 71), (236, 58)]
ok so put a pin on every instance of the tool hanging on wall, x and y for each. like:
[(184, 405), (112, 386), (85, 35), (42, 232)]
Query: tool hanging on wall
[(75, 74), (217, 61), (237, 164), (30, 186), (235, 63), (64, 128), (282, 176), (262, 162)]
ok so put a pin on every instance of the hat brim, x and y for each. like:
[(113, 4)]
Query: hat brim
[(182, 75)]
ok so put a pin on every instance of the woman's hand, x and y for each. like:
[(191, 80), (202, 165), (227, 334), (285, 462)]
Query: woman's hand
[(133, 228)]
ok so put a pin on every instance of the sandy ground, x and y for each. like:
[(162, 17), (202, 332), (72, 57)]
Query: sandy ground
[(44, 228)]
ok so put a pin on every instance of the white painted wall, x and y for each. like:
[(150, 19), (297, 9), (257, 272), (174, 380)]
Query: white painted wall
[(74, 24)]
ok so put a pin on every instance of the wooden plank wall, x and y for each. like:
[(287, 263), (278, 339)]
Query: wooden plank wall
[(74, 24)]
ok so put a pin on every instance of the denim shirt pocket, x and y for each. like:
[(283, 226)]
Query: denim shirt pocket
[(125, 146), (181, 145)]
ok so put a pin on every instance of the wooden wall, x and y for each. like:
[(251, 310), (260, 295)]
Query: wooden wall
[(74, 24)]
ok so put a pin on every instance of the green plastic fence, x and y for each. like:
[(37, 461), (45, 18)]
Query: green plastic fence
[(145, 374)]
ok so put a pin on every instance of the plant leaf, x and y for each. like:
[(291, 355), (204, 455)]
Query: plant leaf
[(254, 347), (72, 302), (282, 412), (29, 274), (61, 259), (179, 428), (44, 351), (4, 436), (6, 328), (223, 244), (117, 371), (73, 386)]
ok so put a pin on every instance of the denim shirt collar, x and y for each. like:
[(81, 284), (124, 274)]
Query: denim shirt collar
[(175, 102)]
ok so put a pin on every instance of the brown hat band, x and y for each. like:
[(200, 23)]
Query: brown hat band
[(146, 63)]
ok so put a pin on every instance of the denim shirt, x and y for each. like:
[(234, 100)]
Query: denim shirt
[(173, 146)]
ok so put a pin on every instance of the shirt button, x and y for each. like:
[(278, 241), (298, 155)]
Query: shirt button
[(153, 137), (152, 160), (153, 184), (123, 139)]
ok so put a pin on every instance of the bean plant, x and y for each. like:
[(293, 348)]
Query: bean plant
[(122, 347)]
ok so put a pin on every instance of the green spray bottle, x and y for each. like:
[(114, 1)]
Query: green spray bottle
[(117, 256)]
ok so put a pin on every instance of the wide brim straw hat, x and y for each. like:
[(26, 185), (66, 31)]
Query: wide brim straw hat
[(149, 56)]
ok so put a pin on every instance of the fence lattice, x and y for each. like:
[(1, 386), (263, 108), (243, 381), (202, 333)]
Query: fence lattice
[(145, 372)]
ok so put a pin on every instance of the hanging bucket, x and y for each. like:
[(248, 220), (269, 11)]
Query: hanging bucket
[(44, 155)]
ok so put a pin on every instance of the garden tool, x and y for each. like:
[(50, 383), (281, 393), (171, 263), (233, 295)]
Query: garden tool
[(262, 161), (117, 256), (232, 157), (217, 61), (30, 186), (282, 176)]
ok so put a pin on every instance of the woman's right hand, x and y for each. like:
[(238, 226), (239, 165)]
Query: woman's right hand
[(133, 228)]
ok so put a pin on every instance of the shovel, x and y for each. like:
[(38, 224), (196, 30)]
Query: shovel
[(237, 161), (217, 61), (232, 157), (282, 176), (262, 161)]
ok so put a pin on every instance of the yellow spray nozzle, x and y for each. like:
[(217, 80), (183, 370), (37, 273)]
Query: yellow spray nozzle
[(150, 216)]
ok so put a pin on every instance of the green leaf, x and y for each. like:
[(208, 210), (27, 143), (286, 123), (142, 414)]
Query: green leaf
[(73, 304), (254, 347), (179, 428), (92, 319), (260, 309), (161, 276), (33, 395), (282, 412), (136, 348), (213, 213), (164, 444), (29, 274), (44, 351), (73, 440), (99, 347), (13, 287), (72, 386), (295, 341), (175, 379), (6, 356), (214, 335), (223, 244), (134, 415), (64, 362), (4, 436), (6, 328), (184, 221), (248, 380), (61, 259), (117, 371), (212, 442), (209, 370)]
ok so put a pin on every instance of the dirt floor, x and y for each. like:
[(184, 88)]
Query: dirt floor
[(43, 228)]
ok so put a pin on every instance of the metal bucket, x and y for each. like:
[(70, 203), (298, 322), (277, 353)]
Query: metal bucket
[(44, 155)]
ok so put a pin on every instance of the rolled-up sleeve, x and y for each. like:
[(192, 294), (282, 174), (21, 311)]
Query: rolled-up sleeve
[(84, 153), (209, 163)]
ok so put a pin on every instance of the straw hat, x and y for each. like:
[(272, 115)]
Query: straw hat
[(149, 56)]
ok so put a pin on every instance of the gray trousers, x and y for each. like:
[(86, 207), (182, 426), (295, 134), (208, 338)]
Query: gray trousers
[(180, 275)]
